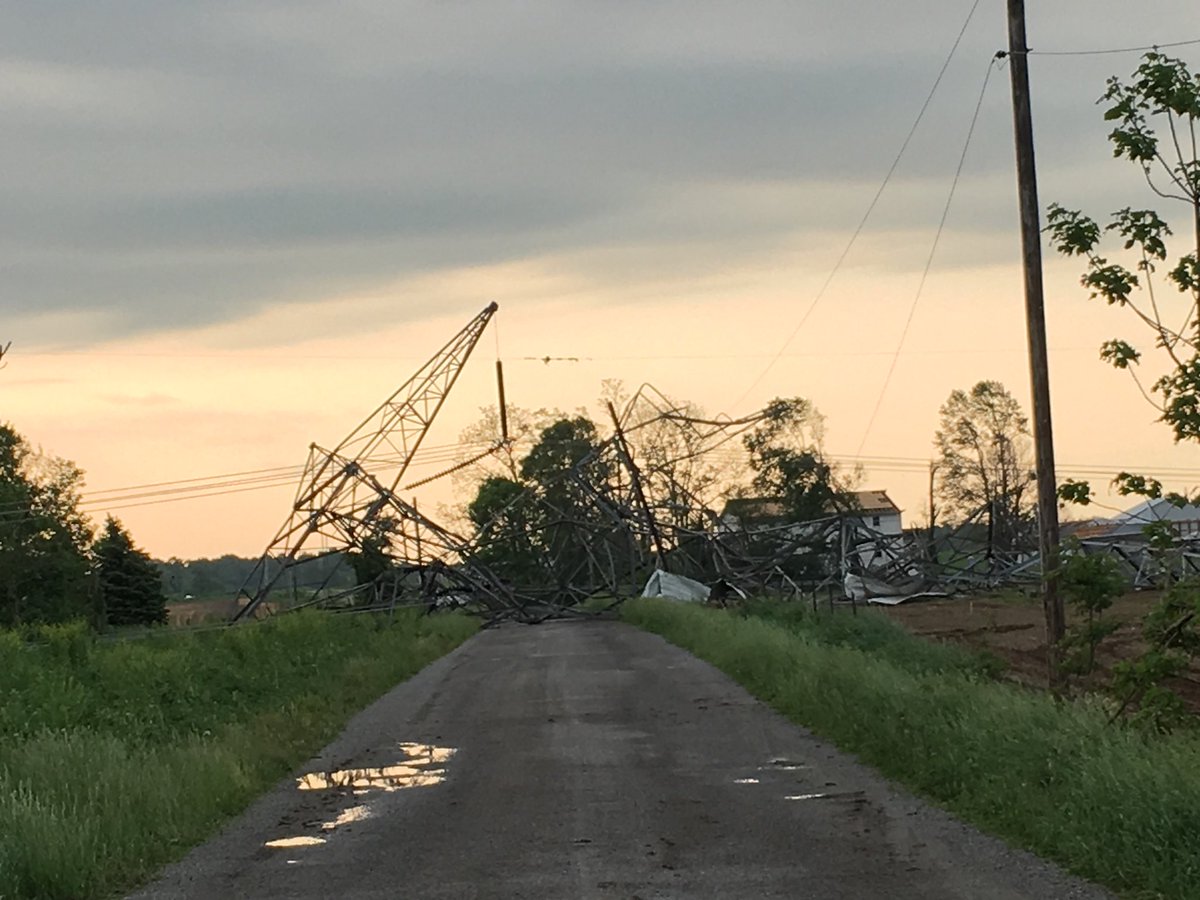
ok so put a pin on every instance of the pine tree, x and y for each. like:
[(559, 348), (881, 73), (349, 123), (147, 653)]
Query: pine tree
[(130, 584)]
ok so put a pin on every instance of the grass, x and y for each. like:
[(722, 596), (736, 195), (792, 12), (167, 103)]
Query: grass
[(117, 757), (871, 631), (1108, 803)]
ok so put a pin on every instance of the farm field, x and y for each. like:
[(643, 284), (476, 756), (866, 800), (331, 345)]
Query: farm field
[(1010, 626)]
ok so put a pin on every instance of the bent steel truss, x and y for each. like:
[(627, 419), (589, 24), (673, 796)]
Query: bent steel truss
[(347, 496)]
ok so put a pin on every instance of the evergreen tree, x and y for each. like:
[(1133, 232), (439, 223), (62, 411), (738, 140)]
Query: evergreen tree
[(130, 583)]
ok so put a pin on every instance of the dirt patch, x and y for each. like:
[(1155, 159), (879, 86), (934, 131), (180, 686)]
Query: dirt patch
[(1013, 628)]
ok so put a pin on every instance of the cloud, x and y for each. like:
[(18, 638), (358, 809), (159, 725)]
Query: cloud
[(171, 166)]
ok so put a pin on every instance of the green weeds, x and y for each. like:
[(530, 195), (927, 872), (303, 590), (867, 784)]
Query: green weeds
[(871, 631), (1112, 804), (117, 757)]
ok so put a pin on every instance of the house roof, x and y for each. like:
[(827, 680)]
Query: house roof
[(874, 502), (1132, 521), (755, 509), (1089, 528), (771, 509)]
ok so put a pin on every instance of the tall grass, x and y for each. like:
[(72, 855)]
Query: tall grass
[(1108, 803), (871, 631), (114, 758)]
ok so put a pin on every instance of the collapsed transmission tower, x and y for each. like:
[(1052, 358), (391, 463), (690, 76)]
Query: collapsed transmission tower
[(347, 497)]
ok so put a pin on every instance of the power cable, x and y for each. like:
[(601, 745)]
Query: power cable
[(866, 215), (1110, 50), (912, 309), (215, 485)]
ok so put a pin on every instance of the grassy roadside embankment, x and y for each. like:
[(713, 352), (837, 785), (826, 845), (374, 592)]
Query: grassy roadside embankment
[(117, 757), (1105, 802)]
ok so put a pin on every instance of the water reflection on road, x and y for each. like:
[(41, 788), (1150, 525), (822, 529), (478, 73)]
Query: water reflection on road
[(422, 765), (416, 770)]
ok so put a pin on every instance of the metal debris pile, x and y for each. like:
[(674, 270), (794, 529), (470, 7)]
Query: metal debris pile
[(589, 534)]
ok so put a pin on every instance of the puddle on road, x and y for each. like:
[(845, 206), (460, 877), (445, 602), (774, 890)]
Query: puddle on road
[(416, 770), (299, 840), (384, 778), (346, 816), (783, 765), (422, 766), (837, 795)]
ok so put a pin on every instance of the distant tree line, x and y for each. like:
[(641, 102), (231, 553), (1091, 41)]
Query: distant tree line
[(203, 579)]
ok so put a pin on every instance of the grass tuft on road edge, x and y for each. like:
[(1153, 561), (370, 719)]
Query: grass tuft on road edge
[(1107, 803), (116, 758)]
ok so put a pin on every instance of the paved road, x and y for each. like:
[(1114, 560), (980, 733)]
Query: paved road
[(592, 760)]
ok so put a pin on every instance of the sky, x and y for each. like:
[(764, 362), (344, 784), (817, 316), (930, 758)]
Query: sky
[(231, 229)]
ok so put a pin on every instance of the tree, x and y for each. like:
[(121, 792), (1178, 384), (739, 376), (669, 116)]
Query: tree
[(503, 510), (504, 461), (372, 559), (1156, 118), (560, 446), (44, 538), (130, 584), (528, 514), (789, 462), (563, 503), (984, 462), (667, 446)]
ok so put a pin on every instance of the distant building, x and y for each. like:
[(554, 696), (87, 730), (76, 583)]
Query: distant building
[(753, 514), (878, 512), (1129, 525), (874, 509)]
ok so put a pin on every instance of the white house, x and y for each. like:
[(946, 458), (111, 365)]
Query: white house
[(876, 511)]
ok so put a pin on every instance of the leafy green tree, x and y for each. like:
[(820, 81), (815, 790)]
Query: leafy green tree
[(561, 447), (788, 461), (1140, 684), (504, 512), (44, 538), (1156, 117), (130, 584), (984, 462), (524, 428), (1090, 583), (373, 558)]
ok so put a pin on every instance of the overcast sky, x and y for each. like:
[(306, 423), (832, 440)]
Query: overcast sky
[(188, 179)]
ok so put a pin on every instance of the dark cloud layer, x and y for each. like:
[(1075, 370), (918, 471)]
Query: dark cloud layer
[(169, 164)]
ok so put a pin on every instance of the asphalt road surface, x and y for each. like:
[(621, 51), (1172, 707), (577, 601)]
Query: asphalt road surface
[(592, 760)]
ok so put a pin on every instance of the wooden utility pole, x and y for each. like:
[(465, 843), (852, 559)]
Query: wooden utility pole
[(1035, 318), (933, 467)]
